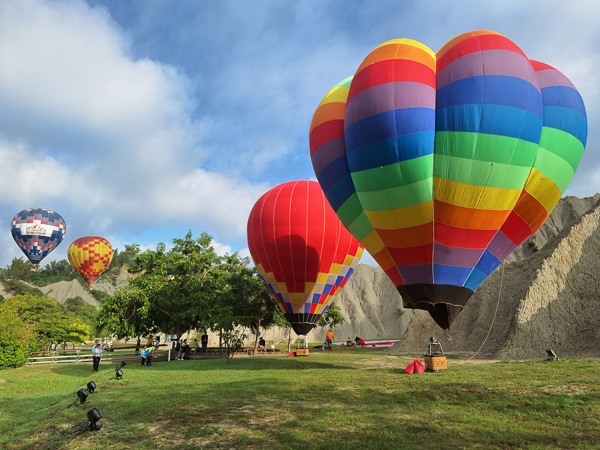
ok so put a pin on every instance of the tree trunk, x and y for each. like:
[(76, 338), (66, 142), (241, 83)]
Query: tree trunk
[(220, 338), (290, 340)]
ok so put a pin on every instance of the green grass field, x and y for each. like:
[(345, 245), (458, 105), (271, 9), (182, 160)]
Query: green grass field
[(345, 399)]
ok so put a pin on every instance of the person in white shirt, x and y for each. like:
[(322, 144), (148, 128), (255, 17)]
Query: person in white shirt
[(97, 353)]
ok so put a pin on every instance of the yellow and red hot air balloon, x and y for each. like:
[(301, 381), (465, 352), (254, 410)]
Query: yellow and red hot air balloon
[(90, 256), (302, 250), (442, 164)]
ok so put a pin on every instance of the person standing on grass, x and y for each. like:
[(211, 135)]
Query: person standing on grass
[(96, 353), (329, 340), (184, 348), (178, 349), (204, 340), (143, 355), (149, 356)]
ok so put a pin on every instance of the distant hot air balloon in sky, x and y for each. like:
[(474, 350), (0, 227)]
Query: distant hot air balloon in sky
[(38, 231), (302, 250), (90, 256), (442, 164)]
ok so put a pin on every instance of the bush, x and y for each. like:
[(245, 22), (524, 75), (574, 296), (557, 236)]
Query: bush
[(13, 353)]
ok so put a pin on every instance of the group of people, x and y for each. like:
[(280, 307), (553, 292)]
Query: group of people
[(146, 355), (358, 341), (182, 347)]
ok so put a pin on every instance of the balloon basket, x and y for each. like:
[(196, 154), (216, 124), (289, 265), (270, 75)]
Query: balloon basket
[(435, 363), (301, 352), (435, 359), (33, 268)]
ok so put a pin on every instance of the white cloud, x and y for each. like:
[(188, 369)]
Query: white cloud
[(109, 138)]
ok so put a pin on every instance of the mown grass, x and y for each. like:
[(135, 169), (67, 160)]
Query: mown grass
[(344, 399)]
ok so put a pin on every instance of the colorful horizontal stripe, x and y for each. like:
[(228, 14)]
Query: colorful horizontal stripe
[(442, 164)]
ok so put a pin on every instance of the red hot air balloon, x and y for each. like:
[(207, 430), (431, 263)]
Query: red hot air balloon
[(302, 250)]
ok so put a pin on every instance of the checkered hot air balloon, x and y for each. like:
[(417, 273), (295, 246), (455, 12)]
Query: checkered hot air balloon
[(302, 250), (38, 231), (442, 164), (90, 256)]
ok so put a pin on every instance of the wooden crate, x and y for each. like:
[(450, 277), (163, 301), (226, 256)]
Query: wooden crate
[(302, 352), (435, 363)]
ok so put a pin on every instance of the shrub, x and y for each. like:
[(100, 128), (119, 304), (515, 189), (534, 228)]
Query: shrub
[(13, 353)]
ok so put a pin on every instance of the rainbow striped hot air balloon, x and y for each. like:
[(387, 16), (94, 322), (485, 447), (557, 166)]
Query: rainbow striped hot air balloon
[(90, 256), (442, 164), (302, 250)]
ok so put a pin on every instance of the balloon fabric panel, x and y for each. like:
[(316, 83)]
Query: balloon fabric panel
[(38, 231), (302, 250), (450, 161), (90, 256)]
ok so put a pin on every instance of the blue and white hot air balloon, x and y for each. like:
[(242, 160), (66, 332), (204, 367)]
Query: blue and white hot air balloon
[(38, 231)]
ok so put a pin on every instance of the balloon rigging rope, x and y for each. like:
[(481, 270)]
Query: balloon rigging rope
[(494, 319)]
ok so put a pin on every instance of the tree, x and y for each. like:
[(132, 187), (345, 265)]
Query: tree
[(33, 319), (255, 306), (77, 307), (174, 291), (332, 317)]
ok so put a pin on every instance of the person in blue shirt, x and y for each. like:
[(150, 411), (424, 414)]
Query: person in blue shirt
[(96, 353)]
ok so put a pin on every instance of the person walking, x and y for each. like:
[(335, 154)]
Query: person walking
[(96, 354), (178, 349), (329, 340), (204, 340)]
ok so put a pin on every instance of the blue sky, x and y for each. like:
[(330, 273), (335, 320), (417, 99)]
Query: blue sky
[(140, 120)]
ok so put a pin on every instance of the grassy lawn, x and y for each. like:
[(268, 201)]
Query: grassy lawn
[(345, 399)]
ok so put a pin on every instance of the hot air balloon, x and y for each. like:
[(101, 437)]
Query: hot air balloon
[(442, 164), (90, 256), (38, 231), (302, 250)]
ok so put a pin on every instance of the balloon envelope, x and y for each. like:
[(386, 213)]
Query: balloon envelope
[(302, 250), (38, 231), (442, 164), (90, 256)]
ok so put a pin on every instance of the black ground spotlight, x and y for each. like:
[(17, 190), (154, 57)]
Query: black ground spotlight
[(93, 416), (551, 355), (118, 373), (91, 387), (82, 395)]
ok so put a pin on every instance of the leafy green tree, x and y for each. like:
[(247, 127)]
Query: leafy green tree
[(124, 257), (176, 290), (332, 317), (18, 268), (77, 307), (18, 287), (47, 320), (254, 305)]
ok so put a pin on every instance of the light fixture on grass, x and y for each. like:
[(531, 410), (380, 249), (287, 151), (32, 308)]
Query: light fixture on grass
[(551, 355), (93, 416), (82, 396), (91, 387)]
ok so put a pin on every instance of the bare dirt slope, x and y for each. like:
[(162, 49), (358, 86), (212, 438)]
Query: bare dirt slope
[(545, 299)]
